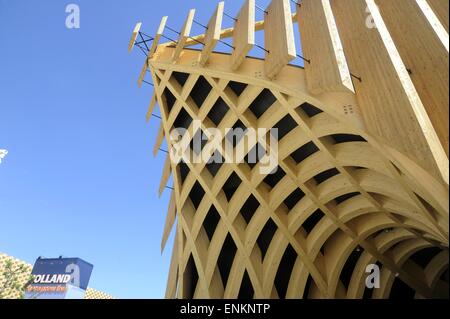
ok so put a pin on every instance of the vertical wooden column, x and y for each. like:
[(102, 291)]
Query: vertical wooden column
[(212, 33), (440, 8), (425, 57), (278, 37), (389, 102), (327, 70), (184, 35), (157, 37), (243, 34)]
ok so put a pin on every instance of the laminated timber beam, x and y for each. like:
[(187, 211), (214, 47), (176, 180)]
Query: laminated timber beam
[(184, 35), (243, 33), (441, 9), (424, 55), (157, 37), (388, 100), (278, 37), (225, 33), (212, 34), (327, 70)]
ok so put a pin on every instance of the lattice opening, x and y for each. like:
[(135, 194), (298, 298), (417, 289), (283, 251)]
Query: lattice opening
[(285, 125), (345, 197), (445, 276), (196, 194), (190, 278), (170, 99), (304, 152), (246, 291), (428, 207), (307, 287), (262, 103), (183, 120), (237, 87), (293, 198), (200, 91), (265, 237), (235, 135), (256, 153), (349, 266), (213, 166), (273, 178), (218, 111), (226, 257), (183, 169), (322, 177), (346, 138), (198, 142), (211, 221), (284, 271), (312, 220), (181, 77), (231, 185), (249, 208), (400, 290), (309, 110), (424, 256)]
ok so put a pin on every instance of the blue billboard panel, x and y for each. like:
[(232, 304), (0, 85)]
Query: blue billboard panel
[(59, 278)]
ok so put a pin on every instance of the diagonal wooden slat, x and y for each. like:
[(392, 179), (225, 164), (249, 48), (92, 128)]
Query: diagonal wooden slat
[(142, 74), (243, 34), (212, 34), (278, 37), (327, 69), (171, 288), (165, 175), (134, 35), (170, 219), (184, 35), (159, 139), (157, 36), (151, 108)]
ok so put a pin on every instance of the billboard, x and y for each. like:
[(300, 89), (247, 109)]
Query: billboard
[(59, 278)]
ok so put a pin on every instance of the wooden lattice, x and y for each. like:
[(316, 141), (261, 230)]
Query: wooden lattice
[(344, 195)]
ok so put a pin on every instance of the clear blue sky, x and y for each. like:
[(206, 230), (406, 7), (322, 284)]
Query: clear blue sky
[(80, 179)]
